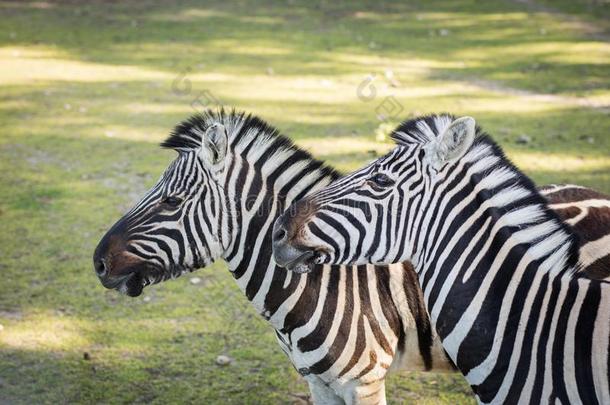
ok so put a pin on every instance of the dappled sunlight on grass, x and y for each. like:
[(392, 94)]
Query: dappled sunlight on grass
[(189, 14), (406, 65), (458, 19), (16, 105), (591, 52), (550, 162), (21, 68), (503, 103), (344, 145), (42, 5), (237, 47), (43, 332), (276, 88), (156, 108), (37, 52), (133, 133)]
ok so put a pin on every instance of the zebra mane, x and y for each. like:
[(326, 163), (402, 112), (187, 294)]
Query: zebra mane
[(246, 132), (424, 129)]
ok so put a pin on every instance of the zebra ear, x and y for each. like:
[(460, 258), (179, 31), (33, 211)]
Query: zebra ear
[(451, 144), (214, 144)]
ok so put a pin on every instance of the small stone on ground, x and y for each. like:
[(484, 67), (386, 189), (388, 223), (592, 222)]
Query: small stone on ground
[(223, 360)]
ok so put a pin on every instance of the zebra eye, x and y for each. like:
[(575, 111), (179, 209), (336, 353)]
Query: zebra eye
[(172, 201), (381, 180)]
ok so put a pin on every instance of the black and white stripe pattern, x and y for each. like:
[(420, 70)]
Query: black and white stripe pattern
[(497, 267), (343, 328)]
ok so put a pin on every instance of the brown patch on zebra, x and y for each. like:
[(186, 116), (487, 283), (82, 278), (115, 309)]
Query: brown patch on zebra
[(373, 357), (595, 225), (117, 258), (556, 194), (568, 213), (370, 366), (588, 213)]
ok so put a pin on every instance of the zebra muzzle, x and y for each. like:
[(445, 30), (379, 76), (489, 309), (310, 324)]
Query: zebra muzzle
[(296, 259), (291, 258)]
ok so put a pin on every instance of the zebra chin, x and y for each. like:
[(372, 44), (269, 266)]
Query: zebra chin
[(133, 286), (301, 268)]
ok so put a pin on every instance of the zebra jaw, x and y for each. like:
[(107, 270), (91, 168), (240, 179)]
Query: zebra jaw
[(134, 283), (131, 285)]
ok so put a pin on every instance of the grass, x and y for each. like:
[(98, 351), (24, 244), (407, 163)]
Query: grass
[(88, 90)]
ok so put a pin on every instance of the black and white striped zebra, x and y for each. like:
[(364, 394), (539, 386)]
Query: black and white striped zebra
[(497, 267), (343, 328)]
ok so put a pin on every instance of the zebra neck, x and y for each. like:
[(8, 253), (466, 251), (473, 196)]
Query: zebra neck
[(489, 240), (258, 194)]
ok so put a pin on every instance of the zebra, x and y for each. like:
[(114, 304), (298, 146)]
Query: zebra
[(167, 234), (497, 267), (342, 327)]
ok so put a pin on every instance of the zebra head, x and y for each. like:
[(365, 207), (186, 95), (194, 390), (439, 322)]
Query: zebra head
[(367, 216), (180, 224)]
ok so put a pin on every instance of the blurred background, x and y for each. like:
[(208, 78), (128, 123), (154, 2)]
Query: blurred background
[(89, 89)]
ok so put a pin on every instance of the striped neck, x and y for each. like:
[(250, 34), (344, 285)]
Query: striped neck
[(489, 239), (265, 174)]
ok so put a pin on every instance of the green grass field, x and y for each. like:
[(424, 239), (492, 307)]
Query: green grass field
[(87, 91)]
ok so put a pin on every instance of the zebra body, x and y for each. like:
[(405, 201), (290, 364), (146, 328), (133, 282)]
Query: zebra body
[(342, 327), (498, 269)]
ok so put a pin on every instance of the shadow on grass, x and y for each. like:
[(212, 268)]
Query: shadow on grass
[(180, 373)]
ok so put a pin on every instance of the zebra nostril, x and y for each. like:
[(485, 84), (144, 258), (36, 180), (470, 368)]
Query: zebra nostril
[(100, 267)]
